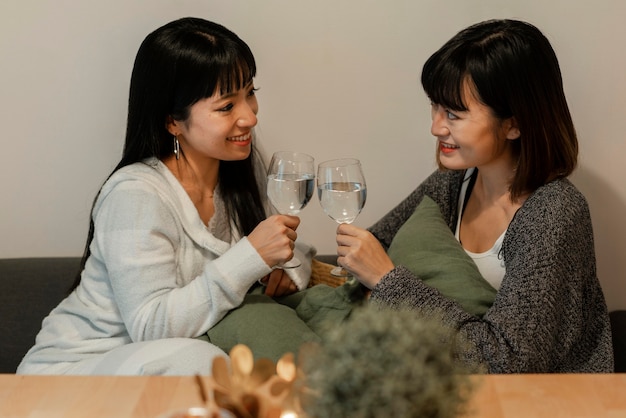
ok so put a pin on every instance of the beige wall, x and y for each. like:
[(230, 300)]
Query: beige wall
[(337, 78)]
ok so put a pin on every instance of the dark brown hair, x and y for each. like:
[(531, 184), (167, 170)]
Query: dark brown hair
[(515, 72)]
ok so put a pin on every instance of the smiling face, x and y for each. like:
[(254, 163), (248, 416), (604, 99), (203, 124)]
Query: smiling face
[(473, 137), (218, 127)]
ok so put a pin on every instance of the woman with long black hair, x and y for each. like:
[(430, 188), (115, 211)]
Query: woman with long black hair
[(180, 231)]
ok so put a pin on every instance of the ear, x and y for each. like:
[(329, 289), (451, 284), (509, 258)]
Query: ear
[(512, 130), (172, 125)]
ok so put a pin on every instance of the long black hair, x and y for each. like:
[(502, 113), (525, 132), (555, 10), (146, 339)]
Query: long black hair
[(510, 67), (177, 65)]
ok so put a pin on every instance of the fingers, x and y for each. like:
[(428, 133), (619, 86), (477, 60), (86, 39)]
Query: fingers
[(264, 280), (351, 236), (349, 230), (347, 244), (350, 242), (274, 238), (286, 225), (291, 221), (279, 284), (284, 290), (359, 252)]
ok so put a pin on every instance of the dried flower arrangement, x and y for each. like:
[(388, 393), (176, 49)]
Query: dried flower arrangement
[(378, 363)]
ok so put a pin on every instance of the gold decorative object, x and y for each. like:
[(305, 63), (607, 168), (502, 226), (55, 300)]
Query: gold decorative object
[(249, 388)]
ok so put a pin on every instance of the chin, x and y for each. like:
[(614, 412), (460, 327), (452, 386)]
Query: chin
[(240, 154), (449, 164)]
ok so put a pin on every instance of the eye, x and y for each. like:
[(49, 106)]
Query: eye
[(252, 91), (226, 108), (450, 115)]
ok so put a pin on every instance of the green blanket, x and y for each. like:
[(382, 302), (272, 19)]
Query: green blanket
[(272, 327)]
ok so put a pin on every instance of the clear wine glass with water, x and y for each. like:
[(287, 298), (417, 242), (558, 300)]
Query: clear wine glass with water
[(290, 183), (342, 193)]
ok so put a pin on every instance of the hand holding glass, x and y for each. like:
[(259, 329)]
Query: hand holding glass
[(342, 193), (290, 180)]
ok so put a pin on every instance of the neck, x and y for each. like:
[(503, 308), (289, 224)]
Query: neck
[(490, 188), (493, 181), (197, 179)]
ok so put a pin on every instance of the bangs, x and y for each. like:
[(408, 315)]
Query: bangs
[(234, 74), (208, 66), (227, 68), (443, 79)]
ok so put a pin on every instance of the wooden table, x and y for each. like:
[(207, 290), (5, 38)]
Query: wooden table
[(527, 396), (550, 396)]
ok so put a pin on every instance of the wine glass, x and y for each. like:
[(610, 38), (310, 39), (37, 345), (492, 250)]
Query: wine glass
[(290, 185), (342, 193)]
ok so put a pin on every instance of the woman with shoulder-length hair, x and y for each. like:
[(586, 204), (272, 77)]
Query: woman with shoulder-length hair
[(179, 232), (505, 147)]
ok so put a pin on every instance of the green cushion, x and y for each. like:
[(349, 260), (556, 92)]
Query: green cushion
[(426, 246), (270, 329)]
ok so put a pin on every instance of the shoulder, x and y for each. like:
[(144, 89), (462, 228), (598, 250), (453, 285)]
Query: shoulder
[(148, 171), (147, 176), (138, 185), (554, 217), (562, 187), (444, 188), (559, 199)]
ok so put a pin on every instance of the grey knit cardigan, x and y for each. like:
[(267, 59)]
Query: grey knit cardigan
[(549, 314)]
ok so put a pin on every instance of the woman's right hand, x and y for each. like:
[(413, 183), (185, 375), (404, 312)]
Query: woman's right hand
[(361, 254), (274, 238)]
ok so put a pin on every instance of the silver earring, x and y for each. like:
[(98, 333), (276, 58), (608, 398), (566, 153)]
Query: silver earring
[(176, 148)]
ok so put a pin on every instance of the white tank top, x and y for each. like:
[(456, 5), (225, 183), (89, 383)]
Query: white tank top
[(490, 264)]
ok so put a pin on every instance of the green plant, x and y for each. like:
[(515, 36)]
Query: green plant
[(384, 363)]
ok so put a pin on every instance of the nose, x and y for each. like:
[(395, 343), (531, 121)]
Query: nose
[(247, 118), (438, 127)]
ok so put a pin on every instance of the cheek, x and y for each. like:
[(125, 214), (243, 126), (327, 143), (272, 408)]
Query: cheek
[(213, 126), (205, 135)]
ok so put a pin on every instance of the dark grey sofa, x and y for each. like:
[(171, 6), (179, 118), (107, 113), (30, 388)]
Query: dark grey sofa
[(33, 286)]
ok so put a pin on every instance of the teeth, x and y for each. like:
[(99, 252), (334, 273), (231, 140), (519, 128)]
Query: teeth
[(240, 138), (448, 145)]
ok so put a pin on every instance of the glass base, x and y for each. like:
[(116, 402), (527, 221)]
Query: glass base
[(293, 263), (339, 272)]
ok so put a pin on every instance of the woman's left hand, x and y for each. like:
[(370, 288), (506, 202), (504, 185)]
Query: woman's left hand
[(278, 283)]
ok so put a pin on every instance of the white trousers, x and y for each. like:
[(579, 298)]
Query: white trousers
[(169, 356)]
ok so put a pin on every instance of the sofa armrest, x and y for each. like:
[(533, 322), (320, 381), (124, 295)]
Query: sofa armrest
[(31, 288), (618, 329)]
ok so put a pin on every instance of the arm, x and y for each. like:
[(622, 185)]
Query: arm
[(142, 242)]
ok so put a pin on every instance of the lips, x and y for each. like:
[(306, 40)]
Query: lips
[(447, 148)]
